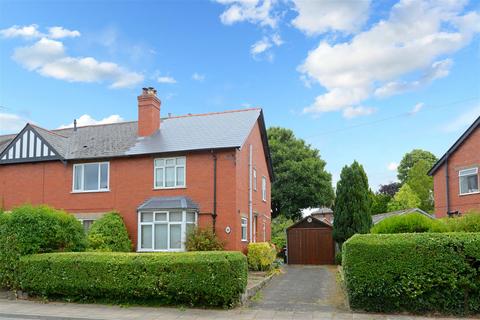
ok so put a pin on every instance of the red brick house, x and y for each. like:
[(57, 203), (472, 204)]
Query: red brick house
[(455, 175), (163, 175)]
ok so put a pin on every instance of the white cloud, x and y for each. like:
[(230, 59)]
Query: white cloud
[(463, 120), (352, 112), (166, 79), (416, 108), (413, 37), (392, 166), (253, 11), (319, 16), (30, 31), (438, 69), (48, 58), (198, 77), (87, 120), (60, 32), (11, 123), (266, 43)]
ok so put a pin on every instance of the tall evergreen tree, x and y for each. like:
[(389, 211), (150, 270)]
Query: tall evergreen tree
[(352, 204)]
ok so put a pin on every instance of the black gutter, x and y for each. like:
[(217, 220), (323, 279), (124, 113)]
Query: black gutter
[(447, 187), (214, 214)]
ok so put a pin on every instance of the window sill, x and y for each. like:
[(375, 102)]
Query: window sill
[(169, 188), (170, 250), (244, 240), (91, 191), (469, 193)]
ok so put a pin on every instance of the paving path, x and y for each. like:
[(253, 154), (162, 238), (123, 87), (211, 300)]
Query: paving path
[(302, 288)]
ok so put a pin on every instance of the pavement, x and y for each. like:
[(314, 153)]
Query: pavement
[(301, 292)]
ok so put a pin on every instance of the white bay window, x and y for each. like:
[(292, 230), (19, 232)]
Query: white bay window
[(164, 230)]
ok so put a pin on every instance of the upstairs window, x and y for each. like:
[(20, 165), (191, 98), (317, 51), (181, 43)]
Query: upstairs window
[(91, 177), (244, 229), (468, 180), (264, 189), (169, 173)]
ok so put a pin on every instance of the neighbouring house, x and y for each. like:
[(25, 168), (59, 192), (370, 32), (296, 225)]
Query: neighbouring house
[(455, 175), (163, 175), (310, 241), (324, 214), (376, 218)]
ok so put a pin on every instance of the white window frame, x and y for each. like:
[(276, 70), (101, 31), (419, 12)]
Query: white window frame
[(175, 171), (244, 224), (254, 179), (183, 228), (264, 188), (82, 190), (462, 173)]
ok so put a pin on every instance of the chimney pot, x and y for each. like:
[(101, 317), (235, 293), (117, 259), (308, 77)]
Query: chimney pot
[(74, 124), (148, 112)]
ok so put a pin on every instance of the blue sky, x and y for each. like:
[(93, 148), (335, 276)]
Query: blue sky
[(356, 79)]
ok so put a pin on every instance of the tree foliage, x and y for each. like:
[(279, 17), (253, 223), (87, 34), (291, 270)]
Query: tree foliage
[(380, 202), (279, 233), (352, 204), (389, 189), (421, 184), (404, 199), (300, 177), (409, 160)]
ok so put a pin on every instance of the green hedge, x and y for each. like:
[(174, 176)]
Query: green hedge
[(192, 278), (419, 273), (109, 233), (35, 229), (261, 256), (409, 223)]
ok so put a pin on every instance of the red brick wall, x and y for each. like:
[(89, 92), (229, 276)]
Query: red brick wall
[(259, 206), (131, 183), (466, 156)]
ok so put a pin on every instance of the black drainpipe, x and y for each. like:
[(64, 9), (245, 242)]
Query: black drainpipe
[(214, 214), (447, 187)]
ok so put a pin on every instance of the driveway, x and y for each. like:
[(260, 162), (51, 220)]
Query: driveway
[(302, 288)]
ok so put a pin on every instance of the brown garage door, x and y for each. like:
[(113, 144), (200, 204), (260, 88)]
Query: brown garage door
[(310, 246)]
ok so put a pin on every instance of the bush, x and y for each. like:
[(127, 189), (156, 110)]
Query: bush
[(338, 258), (199, 239), (279, 233), (469, 222), (193, 278), (420, 273), (408, 223), (29, 229), (109, 233), (261, 256)]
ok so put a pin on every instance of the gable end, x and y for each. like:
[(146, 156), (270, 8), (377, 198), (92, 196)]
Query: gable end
[(28, 146)]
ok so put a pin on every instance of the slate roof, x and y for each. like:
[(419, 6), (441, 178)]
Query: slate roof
[(379, 217), (455, 146), (219, 130), (179, 202)]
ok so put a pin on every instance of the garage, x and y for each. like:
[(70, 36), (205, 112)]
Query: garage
[(310, 241)]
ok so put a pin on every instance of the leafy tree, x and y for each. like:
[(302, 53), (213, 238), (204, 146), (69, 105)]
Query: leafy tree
[(380, 202), (409, 160), (279, 227), (422, 184), (352, 203), (405, 198), (300, 177), (389, 189)]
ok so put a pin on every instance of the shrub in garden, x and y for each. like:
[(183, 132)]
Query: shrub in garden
[(408, 223), (29, 229), (416, 272), (468, 222), (338, 258), (193, 278), (279, 233), (261, 256), (109, 233), (203, 239)]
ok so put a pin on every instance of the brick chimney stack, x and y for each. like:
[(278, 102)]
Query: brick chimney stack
[(148, 112)]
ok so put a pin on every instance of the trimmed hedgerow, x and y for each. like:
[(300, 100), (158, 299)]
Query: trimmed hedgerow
[(35, 229), (408, 223), (261, 256), (193, 278), (419, 273), (109, 233)]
